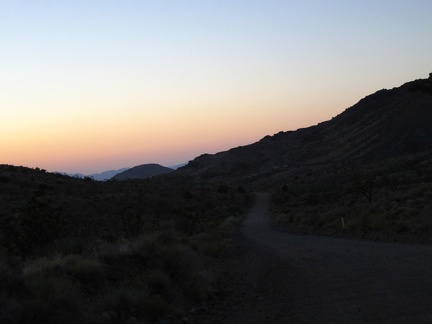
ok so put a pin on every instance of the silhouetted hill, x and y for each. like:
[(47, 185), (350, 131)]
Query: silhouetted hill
[(106, 175), (384, 125), (142, 172), (175, 167)]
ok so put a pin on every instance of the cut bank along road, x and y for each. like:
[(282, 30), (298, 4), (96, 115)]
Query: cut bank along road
[(329, 280)]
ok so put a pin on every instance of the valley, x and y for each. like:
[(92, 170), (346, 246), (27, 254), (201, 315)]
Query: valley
[(342, 234)]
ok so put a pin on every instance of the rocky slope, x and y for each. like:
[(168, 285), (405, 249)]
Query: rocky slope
[(387, 124)]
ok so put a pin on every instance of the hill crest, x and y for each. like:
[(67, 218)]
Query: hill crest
[(383, 125), (142, 172)]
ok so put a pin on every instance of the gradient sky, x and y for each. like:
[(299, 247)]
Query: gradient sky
[(88, 85)]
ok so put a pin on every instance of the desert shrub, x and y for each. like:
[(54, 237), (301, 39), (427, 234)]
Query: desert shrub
[(310, 219), (41, 266), (300, 217), (37, 224), (168, 237), (9, 309), (80, 222), (214, 242), (70, 245), (132, 223), (46, 287), (9, 277), (124, 302), (52, 300), (399, 227), (4, 179), (280, 217), (223, 189), (31, 311), (329, 221), (188, 222), (176, 260), (187, 194), (212, 247), (378, 222), (148, 245), (158, 282), (353, 223), (11, 286), (184, 268), (155, 306), (86, 271)]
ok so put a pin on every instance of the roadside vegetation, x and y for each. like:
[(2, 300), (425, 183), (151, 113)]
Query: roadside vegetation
[(82, 251), (388, 200)]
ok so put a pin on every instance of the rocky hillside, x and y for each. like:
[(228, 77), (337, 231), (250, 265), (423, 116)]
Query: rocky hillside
[(142, 172), (384, 125)]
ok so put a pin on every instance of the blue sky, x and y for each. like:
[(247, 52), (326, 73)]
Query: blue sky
[(95, 85)]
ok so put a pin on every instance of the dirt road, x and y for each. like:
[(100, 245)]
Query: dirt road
[(284, 278)]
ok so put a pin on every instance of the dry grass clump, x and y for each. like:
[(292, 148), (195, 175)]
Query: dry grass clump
[(170, 273), (185, 269), (122, 303), (163, 277), (88, 272), (42, 299)]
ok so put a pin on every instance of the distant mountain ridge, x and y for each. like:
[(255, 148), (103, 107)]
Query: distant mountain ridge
[(388, 123), (175, 167), (106, 175), (142, 172)]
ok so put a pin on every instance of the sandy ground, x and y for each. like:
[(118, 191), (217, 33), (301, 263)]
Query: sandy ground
[(275, 277)]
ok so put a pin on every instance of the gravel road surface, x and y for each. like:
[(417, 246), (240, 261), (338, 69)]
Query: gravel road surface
[(284, 278)]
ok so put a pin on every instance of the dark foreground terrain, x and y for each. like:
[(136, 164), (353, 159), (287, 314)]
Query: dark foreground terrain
[(159, 250), (283, 278), (82, 251)]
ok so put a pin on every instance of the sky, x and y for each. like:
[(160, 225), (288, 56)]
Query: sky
[(94, 85)]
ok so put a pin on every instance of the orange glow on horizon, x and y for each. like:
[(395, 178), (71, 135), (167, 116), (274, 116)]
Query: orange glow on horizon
[(89, 88), (127, 137)]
